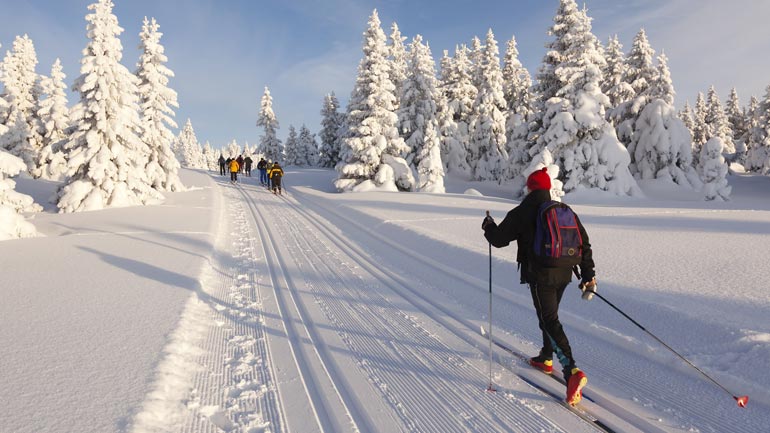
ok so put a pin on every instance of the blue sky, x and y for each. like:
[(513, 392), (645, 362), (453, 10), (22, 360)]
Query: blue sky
[(224, 52)]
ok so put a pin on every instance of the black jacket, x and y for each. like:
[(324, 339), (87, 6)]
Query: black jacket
[(519, 225)]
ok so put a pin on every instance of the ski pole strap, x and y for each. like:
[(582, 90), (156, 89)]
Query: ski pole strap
[(577, 272)]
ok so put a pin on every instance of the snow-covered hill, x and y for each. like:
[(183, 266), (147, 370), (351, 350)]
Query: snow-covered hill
[(230, 309)]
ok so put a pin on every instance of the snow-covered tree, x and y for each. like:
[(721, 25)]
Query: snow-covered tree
[(22, 95), (211, 157), (106, 156), (189, 148), (700, 133), (517, 85), (758, 158), (736, 116), (687, 116), (573, 127), (307, 148), (418, 118), (613, 85), (371, 121), (290, 147), (713, 170), (459, 93), (640, 73), (269, 144), (662, 143), (398, 59), (156, 102), (233, 149), (717, 123), (12, 203), (488, 153), (53, 115), (331, 124), (751, 125)]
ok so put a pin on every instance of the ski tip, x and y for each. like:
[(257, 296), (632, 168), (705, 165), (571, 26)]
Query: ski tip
[(483, 331), (491, 388), (742, 401)]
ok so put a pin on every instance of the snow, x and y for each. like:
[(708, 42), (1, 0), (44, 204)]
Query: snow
[(226, 308)]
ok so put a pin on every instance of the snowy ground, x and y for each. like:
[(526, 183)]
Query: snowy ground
[(231, 309)]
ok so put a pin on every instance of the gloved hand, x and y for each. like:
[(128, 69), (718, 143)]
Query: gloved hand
[(487, 221), (588, 288)]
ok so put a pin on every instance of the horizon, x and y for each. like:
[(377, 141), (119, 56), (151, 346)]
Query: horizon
[(252, 46)]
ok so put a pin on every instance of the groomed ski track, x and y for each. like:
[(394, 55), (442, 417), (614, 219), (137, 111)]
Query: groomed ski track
[(305, 323)]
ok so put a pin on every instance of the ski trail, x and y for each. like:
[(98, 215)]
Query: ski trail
[(428, 385), (217, 373)]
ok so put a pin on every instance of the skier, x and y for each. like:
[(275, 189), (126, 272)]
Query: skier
[(221, 165), (234, 167), (240, 163), (546, 284), (262, 167), (276, 174), (247, 165)]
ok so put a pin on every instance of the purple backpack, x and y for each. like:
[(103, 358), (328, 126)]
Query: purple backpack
[(558, 243)]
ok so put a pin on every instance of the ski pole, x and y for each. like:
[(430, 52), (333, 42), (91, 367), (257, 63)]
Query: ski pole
[(742, 401), (491, 387)]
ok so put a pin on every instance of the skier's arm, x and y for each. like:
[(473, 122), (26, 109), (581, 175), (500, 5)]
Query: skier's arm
[(502, 235)]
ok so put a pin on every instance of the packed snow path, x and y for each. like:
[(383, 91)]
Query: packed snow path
[(320, 320)]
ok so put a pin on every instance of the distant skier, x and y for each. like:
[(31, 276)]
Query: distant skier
[(247, 165), (222, 165), (276, 174), (262, 167), (546, 284), (240, 163), (234, 167)]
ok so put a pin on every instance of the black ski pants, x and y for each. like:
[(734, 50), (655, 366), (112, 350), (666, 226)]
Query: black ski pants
[(546, 299)]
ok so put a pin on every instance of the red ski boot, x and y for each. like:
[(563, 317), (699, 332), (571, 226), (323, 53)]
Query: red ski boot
[(542, 364), (577, 380)]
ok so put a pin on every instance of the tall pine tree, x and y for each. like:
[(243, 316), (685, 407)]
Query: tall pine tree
[(269, 144), (156, 103), (372, 151), (54, 123), (331, 129), (106, 156)]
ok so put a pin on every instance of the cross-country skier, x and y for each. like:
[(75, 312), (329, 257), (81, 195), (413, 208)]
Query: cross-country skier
[(546, 284), (276, 174), (234, 167)]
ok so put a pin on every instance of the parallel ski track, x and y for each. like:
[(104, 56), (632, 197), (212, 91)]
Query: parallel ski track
[(664, 400), (426, 353), (396, 284), (589, 416), (298, 329)]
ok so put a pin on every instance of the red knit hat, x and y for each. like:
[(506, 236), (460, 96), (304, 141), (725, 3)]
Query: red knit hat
[(539, 180)]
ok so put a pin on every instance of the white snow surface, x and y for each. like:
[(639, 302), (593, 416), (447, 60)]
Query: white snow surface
[(227, 308)]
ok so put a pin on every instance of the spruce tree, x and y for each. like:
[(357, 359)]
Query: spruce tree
[(290, 147), (517, 85), (106, 156), (269, 143), (640, 73), (307, 155), (614, 73), (758, 158), (157, 102), (751, 122), (331, 128), (398, 60), (54, 123), (717, 122), (191, 153), (418, 118), (488, 152), (22, 94), (371, 155), (573, 128), (460, 93)]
